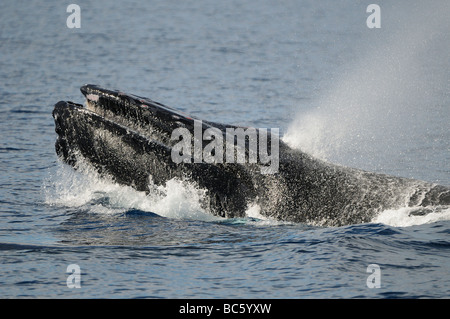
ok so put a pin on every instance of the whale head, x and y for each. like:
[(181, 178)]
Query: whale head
[(131, 139)]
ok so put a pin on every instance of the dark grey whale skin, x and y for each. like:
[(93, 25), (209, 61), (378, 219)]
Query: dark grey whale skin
[(128, 138)]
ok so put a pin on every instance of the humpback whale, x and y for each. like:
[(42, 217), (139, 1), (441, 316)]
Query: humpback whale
[(130, 139)]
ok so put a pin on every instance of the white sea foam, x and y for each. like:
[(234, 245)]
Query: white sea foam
[(86, 190), (403, 218), (254, 211)]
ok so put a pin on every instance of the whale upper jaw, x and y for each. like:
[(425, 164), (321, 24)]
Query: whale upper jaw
[(149, 118), (110, 100)]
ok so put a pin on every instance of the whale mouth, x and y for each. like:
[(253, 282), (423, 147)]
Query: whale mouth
[(111, 129), (129, 139)]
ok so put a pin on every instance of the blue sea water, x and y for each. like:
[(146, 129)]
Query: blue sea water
[(376, 99)]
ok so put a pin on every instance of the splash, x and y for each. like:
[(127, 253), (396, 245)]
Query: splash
[(381, 102), (405, 217), (85, 189)]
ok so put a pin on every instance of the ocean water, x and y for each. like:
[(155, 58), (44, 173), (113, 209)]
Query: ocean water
[(376, 99)]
